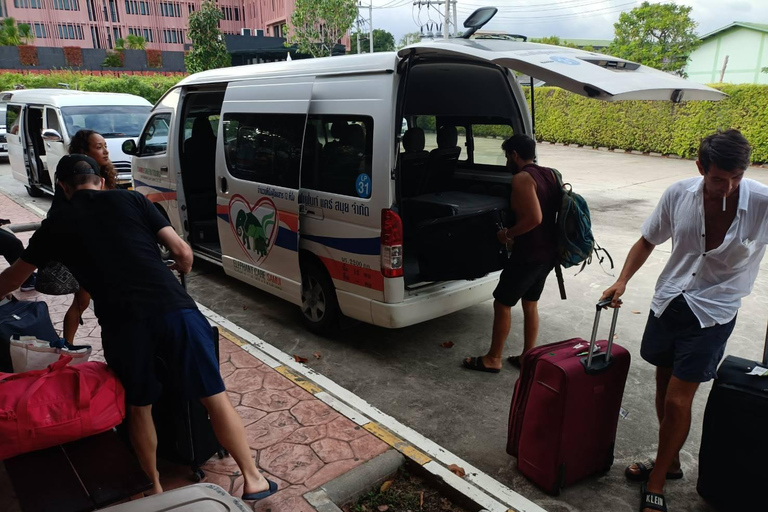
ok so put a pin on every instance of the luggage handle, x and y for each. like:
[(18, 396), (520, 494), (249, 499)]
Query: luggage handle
[(765, 350), (84, 397), (587, 362)]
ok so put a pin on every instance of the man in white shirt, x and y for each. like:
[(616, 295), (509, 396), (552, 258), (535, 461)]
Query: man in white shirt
[(718, 224)]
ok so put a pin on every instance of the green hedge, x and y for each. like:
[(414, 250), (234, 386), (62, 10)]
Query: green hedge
[(150, 87), (658, 126)]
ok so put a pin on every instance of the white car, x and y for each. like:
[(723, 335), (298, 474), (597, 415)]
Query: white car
[(3, 141)]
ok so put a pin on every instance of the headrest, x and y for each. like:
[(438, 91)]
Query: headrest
[(354, 136), (202, 128), (413, 140), (447, 137), (337, 129)]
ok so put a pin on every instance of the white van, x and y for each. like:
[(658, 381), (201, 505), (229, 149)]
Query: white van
[(296, 176), (41, 122)]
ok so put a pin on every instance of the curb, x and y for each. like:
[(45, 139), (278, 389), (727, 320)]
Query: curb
[(355, 483), (432, 459)]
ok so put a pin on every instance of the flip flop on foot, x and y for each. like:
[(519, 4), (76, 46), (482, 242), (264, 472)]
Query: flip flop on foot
[(263, 494), (515, 361), (476, 363), (652, 500), (640, 471)]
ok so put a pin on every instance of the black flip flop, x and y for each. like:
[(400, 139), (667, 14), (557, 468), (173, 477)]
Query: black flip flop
[(645, 468), (263, 494), (652, 500), (515, 361), (476, 363)]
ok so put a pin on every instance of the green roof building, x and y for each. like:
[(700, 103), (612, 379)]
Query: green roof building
[(741, 48)]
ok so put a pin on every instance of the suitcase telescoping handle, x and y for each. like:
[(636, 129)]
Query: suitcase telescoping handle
[(593, 338), (765, 350)]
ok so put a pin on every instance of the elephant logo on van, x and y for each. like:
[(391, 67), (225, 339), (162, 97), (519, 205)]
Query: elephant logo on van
[(255, 227)]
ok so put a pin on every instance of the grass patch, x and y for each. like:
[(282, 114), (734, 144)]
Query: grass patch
[(405, 493)]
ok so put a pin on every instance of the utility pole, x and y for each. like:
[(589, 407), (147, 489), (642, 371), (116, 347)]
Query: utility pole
[(362, 21), (446, 20), (455, 21), (370, 22), (448, 13)]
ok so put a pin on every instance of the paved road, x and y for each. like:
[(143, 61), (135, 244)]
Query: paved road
[(407, 374)]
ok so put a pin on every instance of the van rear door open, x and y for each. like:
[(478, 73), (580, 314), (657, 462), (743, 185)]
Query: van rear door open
[(586, 73), (257, 185)]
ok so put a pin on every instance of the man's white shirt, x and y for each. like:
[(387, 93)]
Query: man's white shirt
[(712, 282)]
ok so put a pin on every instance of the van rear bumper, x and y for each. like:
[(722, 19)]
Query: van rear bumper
[(422, 306)]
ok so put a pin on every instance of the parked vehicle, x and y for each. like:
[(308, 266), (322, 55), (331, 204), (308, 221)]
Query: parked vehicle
[(295, 178), (3, 140), (41, 122)]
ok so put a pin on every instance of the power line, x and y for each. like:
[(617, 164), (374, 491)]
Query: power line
[(593, 2), (604, 10)]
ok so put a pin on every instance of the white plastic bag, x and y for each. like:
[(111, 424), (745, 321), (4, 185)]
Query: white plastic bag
[(28, 353)]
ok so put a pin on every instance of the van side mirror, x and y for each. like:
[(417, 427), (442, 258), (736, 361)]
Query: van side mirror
[(51, 135), (129, 147), (477, 19)]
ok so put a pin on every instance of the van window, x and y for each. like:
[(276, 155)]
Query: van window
[(265, 148), (487, 140), (430, 124), (154, 140), (338, 155), (52, 120), (13, 119), (110, 121)]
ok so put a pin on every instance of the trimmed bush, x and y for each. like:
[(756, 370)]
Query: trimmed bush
[(73, 55), (653, 126), (28, 55), (154, 59), (114, 59)]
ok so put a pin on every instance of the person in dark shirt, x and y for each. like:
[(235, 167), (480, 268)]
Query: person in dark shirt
[(108, 240), (533, 244)]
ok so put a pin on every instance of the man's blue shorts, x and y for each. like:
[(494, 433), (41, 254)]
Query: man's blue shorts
[(173, 349), (676, 340)]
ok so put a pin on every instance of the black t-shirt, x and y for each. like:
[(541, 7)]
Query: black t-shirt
[(108, 240)]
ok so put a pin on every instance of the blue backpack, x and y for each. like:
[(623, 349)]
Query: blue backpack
[(575, 242)]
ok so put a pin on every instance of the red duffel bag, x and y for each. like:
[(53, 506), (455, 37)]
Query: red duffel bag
[(44, 408)]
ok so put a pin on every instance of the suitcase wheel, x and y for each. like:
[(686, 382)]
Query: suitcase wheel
[(222, 453), (198, 475)]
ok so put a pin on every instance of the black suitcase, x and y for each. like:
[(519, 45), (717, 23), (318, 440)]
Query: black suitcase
[(732, 468), (462, 247), (25, 318), (437, 205)]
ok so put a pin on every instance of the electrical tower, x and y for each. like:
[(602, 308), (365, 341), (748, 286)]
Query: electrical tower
[(443, 25), (362, 22)]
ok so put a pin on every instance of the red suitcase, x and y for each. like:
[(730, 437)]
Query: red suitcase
[(565, 409)]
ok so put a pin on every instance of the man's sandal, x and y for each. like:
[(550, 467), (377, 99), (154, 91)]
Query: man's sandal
[(652, 500), (644, 471)]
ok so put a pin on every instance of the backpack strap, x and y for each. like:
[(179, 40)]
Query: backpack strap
[(560, 280)]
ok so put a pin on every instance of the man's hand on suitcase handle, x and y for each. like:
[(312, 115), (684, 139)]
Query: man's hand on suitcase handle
[(613, 293)]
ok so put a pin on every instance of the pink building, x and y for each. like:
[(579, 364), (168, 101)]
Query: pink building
[(163, 23)]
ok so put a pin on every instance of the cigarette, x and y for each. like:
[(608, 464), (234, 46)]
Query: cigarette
[(723, 203)]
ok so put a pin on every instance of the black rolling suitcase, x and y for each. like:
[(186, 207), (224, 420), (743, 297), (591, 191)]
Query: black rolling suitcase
[(732, 468)]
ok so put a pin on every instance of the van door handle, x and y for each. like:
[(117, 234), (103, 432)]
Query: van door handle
[(164, 169), (223, 185)]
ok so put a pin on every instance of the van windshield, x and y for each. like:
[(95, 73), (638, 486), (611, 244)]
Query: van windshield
[(109, 121)]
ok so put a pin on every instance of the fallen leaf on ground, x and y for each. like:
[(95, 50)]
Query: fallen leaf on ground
[(383, 508), (300, 359), (245, 307), (635, 312), (457, 470), (447, 344), (421, 499), (615, 336), (317, 355), (386, 485)]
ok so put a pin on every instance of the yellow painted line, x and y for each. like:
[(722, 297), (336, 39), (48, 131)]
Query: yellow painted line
[(231, 337), (299, 380), (398, 444)]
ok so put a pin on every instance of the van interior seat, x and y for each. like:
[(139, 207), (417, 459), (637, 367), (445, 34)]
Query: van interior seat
[(200, 170), (443, 159), (413, 162)]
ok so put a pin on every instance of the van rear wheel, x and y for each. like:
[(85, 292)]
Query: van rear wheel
[(34, 191), (319, 306)]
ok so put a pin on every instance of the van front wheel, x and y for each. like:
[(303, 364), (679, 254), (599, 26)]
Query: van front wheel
[(319, 306), (34, 191)]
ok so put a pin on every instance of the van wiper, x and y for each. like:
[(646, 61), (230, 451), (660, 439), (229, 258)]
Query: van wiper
[(112, 134)]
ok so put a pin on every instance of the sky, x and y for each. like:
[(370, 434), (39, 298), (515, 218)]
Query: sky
[(582, 19)]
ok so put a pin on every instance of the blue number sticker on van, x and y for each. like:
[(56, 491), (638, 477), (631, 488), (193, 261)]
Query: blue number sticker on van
[(564, 60), (363, 186)]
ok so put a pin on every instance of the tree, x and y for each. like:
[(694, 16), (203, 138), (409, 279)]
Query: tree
[(409, 39), (119, 43), (9, 33), (25, 33), (657, 35), (318, 25), (135, 42), (208, 48), (383, 41), (553, 40)]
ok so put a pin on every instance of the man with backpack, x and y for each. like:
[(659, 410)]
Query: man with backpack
[(532, 240), (717, 224)]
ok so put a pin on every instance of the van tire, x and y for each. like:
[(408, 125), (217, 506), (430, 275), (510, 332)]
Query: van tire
[(33, 191), (319, 305)]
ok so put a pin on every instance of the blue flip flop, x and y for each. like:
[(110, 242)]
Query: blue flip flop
[(263, 494)]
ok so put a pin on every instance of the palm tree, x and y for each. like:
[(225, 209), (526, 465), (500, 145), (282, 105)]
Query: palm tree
[(25, 33), (136, 42), (9, 33), (119, 43)]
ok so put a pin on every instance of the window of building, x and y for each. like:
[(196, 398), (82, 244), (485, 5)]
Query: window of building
[(143, 6), (95, 37), (40, 31), (265, 148), (338, 155)]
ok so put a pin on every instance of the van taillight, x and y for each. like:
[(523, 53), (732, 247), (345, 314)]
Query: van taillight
[(391, 244)]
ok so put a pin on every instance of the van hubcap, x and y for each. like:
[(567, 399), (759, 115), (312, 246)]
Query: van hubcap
[(312, 299)]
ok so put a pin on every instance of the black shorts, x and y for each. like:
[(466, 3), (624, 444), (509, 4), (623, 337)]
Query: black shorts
[(173, 349), (521, 281), (676, 340)]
